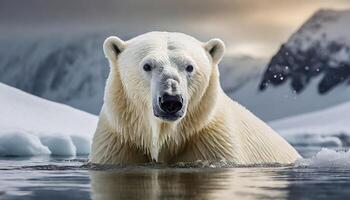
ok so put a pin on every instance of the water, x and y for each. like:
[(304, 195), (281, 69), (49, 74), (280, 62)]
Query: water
[(70, 178)]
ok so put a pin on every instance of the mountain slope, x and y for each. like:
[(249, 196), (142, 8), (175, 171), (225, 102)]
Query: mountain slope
[(321, 47), (62, 68), (280, 102)]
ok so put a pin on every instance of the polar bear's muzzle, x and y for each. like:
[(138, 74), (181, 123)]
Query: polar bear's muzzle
[(168, 95), (169, 107), (170, 103)]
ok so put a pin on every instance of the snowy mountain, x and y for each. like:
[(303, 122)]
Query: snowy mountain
[(30, 125), (62, 68), (72, 69), (327, 127), (320, 48)]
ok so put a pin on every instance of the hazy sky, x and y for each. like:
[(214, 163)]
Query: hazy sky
[(256, 27)]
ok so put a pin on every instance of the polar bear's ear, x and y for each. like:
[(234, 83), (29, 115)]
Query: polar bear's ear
[(113, 46), (216, 49)]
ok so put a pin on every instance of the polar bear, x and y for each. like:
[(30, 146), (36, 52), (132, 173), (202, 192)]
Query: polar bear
[(163, 102)]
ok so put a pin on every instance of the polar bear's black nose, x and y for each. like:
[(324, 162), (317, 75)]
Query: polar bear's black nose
[(170, 103)]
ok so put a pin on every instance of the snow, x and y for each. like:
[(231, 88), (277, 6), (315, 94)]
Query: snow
[(326, 158), (21, 143), (30, 125), (326, 127)]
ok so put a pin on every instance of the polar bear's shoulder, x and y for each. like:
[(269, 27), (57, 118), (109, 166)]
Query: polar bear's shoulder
[(256, 141)]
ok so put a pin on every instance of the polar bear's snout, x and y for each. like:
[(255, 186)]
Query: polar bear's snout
[(170, 104), (169, 107), (168, 101), (168, 93)]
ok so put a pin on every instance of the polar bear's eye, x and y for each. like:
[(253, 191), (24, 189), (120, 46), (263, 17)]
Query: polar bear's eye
[(189, 68), (147, 67)]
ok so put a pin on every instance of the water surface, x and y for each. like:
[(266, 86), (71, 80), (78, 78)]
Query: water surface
[(70, 178)]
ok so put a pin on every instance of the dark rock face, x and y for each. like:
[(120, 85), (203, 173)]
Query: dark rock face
[(302, 66), (323, 55)]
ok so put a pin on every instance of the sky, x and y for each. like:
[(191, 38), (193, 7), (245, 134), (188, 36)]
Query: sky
[(252, 27)]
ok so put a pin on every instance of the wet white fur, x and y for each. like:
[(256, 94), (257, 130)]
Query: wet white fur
[(214, 127)]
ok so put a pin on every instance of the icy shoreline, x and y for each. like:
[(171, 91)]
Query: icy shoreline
[(30, 125)]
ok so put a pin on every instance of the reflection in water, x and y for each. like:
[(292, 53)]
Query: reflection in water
[(52, 178), (59, 178), (238, 183)]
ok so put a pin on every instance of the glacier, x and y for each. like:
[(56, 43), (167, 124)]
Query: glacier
[(30, 126)]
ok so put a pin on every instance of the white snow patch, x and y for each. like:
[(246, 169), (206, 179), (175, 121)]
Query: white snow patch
[(82, 144), (59, 145), (327, 127), (30, 125), (327, 158), (21, 143)]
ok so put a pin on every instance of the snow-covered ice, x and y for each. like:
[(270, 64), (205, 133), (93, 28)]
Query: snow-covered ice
[(21, 143), (327, 127), (327, 158), (30, 125)]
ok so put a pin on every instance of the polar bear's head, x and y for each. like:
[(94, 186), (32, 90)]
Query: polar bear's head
[(163, 73)]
